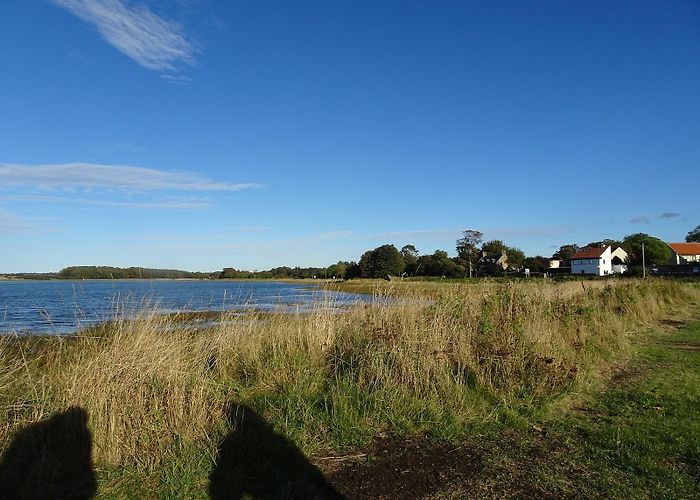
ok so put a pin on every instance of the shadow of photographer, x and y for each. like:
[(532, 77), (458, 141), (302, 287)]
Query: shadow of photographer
[(254, 461), (50, 459)]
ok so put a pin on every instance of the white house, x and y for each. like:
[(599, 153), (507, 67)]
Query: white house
[(619, 261), (685, 253), (600, 261)]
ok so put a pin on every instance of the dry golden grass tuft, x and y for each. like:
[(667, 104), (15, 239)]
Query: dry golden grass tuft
[(436, 358)]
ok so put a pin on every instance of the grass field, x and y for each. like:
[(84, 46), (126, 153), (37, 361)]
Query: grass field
[(157, 408), (638, 438)]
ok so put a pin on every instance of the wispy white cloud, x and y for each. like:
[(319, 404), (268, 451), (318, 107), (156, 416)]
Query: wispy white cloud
[(150, 40), (173, 204), (640, 220), (114, 177), (669, 215)]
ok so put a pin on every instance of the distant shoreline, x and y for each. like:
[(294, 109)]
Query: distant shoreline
[(278, 280)]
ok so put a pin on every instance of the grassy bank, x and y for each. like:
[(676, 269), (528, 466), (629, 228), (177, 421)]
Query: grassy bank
[(637, 438), (160, 398)]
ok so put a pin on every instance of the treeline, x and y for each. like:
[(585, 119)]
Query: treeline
[(474, 258), (282, 272), (491, 258), (108, 272), (29, 276)]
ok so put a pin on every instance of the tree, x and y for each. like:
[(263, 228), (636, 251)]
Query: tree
[(439, 264), (494, 247), (229, 273), (468, 247), (656, 252), (565, 252), (353, 271), (693, 236), (337, 270), (365, 264), (536, 264), (516, 258), (410, 258), (605, 243), (381, 262)]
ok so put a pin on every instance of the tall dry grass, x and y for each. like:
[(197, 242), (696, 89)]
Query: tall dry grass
[(157, 390)]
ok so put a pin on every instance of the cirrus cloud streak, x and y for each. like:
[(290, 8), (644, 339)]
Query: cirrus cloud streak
[(153, 42), (115, 177), (173, 204)]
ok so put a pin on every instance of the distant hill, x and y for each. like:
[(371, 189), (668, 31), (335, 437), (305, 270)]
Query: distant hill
[(108, 272), (29, 276)]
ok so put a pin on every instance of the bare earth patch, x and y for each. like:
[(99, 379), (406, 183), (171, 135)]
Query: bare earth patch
[(499, 466), (408, 468), (688, 346)]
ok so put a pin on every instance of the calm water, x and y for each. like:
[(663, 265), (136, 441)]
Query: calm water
[(59, 307)]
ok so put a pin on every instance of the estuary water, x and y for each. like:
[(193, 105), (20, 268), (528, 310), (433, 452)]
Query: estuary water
[(61, 307)]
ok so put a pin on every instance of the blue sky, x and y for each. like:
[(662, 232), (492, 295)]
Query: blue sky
[(198, 134)]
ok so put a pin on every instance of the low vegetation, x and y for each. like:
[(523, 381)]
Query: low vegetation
[(430, 359)]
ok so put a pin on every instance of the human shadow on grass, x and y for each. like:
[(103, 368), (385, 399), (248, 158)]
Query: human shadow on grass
[(254, 461), (50, 459)]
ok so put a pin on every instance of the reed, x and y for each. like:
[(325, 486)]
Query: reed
[(440, 359)]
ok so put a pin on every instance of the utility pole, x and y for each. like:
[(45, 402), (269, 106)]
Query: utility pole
[(644, 264)]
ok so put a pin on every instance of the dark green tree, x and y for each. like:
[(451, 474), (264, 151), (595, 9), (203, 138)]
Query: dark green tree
[(468, 248), (656, 252), (516, 258), (494, 247), (565, 252), (410, 259), (366, 264), (352, 271), (693, 236), (605, 243), (228, 273), (381, 262), (536, 264), (337, 270), (439, 264)]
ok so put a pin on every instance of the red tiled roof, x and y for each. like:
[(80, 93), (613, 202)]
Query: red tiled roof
[(589, 253), (685, 248)]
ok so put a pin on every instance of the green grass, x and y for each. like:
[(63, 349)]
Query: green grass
[(638, 438), (642, 436)]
